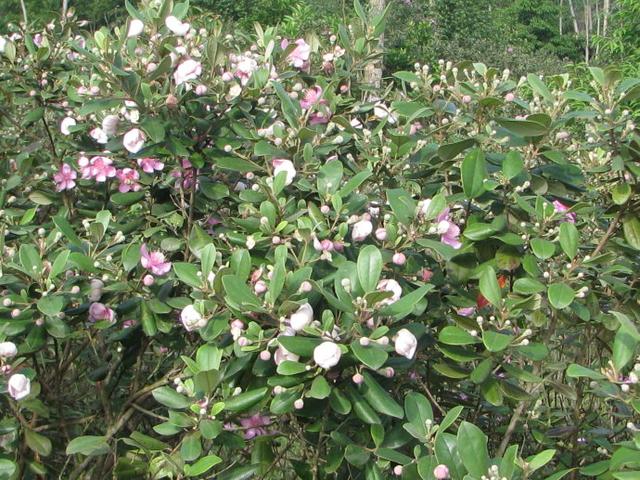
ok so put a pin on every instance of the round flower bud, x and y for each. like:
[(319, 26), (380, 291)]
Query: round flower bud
[(265, 355), (298, 404), (389, 372), (441, 472), (397, 470), (405, 343), (325, 209), (381, 234), (260, 287), (357, 378), (306, 286), (148, 280), (8, 350), (19, 386), (399, 258), (327, 355), (7, 302), (302, 317), (191, 318)]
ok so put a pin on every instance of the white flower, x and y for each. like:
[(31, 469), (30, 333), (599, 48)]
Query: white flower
[(110, 125), (423, 206), (19, 386), (327, 355), (390, 285), (135, 28), (134, 140), (67, 122), (8, 350), (191, 318), (406, 343), (98, 135), (187, 70), (302, 317), (361, 230), (283, 165), (283, 354), (381, 111), (3, 44), (176, 26)]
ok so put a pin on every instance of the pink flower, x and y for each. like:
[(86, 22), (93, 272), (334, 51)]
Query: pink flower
[(187, 174), (133, 140), (154, 261), (98, 168), (65, 178), (254, 425), (128, 180), (311, 97), (99, 135), (300, 55), (187, 70), (148, 164), (561, 207), (466, 311), (99, 311), (449, 231)]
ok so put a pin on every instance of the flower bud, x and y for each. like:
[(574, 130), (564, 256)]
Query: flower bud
[(148, 280), (19, 386), (399, 258), (301, 317), (405, 343), (327, 355), (8, 350)]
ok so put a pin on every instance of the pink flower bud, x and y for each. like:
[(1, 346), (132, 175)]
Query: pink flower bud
[(381, 234), (265, 355), (399, 258), (276, 240), (239, 324), (509, 97), (325, 209), (357, 378), (243, 341), (172, 101), (389, 372), (260, 287), (441, 472), (397, 470), (148, 280), (298, 404), (306, 287), (15, 313), (201, 89)]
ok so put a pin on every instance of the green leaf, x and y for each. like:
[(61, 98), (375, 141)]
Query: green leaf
[(245, 400), (88, 445), (148, 319), (523, 128), (631, 228), (450, 151), (188, 273), (489, 286), (191, 447), (621, 193), (67, 230), (30, 260), (577, 371), (496, 342), (472, 445), (539, 88), (168, 397), (527, 286), (329, 177), (403, 307), (373, 356), (240, 294), (302, 346), (320, 388), (543, 249), (560, 295), (569, 237), (51, 305), (361, 407), (512, 165), (540, 460), (456, 336), (369, 267), (289, 367), (7, 469), (379, 398), (473, 173), (403, 206), (624, 346), (202, 466), (37, 442)]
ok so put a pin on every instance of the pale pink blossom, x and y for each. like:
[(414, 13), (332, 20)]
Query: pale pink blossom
[(133, 140), (99, 135), (66, 124), (18, 386), (178, 28), (99, 168), (254, 426), (65, 178), (186, 71), (300, 54), (284, 165), (561, 208), (136, 27), (390, 285), (128, 180), (99, 311), (449, 232), (466, 311), (154, 261), (311, 97), (149, 165)]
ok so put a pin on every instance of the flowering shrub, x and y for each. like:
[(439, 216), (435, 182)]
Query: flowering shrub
[(227, 255)]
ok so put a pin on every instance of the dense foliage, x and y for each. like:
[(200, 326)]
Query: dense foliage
[(227, 254)]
